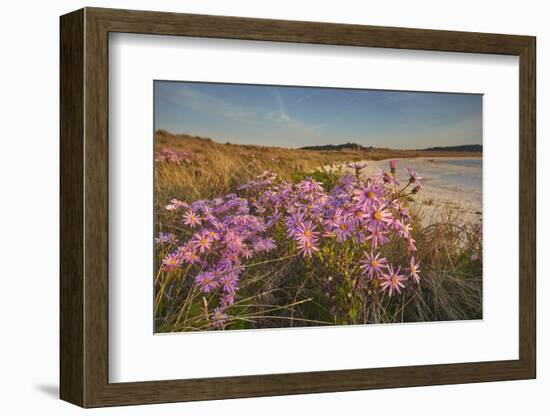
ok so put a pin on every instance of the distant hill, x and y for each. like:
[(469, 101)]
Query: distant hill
[(354, 146), (462, 148), (338, 147)]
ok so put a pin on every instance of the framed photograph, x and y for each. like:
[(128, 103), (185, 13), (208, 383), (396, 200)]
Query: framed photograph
[(257, 207)]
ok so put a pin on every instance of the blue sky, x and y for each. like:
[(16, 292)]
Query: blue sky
[(298, 116)]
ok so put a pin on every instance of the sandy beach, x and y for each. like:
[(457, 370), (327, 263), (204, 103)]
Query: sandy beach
[(448, 182)]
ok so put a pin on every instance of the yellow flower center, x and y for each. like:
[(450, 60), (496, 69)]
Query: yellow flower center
[(377, 215), (394, 279), (307, 233), (343, 227), (370, 194), (203, 241), (374, 263)]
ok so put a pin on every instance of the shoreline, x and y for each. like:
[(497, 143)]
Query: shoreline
[(434, 158), (446, 188)]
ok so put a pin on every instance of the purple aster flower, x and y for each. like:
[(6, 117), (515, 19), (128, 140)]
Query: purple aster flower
[(219, 270), (413, 176), (306, 247), (171, 261), (377, 236), (229, 282), (343, 228), (410, 244), (231, 256), (191, 219), (372, 265), (273, 219), (389, 178), (208, 215), (358, 167), (414, 268), (263, 244), (202, 241), (219, 318), (176, 204), (396, 225), (380, 215), (305, 232), (170, 155), (367, 196), (260, 208), (188, 254), (359, 215), (405, 231), (332, 217), (392, 281), (233, 240), (403, 211), (309, 185), (227, 299), (206, 281), (246, 252), (213, 234), (346, 181), (166, 238)]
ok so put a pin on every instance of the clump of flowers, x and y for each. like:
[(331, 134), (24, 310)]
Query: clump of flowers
[(166, 238), (360, 215), (169, 155)]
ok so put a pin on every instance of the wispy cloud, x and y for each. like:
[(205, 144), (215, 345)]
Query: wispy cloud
[(186, 96), (292, 125), (304, 99), (283, 114)]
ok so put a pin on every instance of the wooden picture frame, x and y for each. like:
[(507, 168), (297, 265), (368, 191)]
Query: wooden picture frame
[(84, 207)]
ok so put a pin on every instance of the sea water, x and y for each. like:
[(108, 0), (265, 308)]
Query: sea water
[(474, 163), (450, 174)]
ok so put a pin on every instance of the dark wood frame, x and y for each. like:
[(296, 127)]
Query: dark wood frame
[(84, 207)]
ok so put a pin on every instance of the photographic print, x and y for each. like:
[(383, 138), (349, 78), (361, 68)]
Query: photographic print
[(289, 206)]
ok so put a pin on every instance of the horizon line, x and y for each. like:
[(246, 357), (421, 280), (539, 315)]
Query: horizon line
[(163, 130)]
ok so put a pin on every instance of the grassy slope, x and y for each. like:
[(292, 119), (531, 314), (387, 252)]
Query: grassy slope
[(218, 167), (206, 148)]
